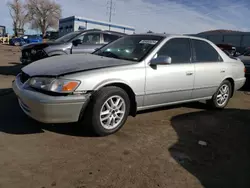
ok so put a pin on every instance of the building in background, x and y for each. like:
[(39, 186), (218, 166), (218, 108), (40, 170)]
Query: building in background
[(2, 31), (74, 23), (238, 39)]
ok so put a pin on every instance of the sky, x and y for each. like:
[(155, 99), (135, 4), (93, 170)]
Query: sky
[(170, 16)]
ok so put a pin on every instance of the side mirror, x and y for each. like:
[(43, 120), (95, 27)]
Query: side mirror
[(161, 60), (77, 42)]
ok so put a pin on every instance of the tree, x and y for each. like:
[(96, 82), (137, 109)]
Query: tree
[(43, 14), (18, 15)]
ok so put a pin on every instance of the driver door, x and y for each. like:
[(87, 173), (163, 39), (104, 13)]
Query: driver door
[(173, 82), (90, 41)]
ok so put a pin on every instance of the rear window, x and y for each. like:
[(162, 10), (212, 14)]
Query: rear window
[(204, 52)]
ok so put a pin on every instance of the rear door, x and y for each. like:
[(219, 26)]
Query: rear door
[(90, 41), (210, 70)]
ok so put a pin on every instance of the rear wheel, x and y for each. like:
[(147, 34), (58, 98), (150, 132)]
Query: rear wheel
[(222, 96), (108, 110)]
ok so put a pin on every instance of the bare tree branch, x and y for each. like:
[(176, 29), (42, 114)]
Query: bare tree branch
[(43, 14), (18, 15)]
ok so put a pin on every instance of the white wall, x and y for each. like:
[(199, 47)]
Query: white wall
[(76, 24), (96, 26)]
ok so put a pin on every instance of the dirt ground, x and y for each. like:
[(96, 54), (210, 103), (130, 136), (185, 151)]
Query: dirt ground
[(158, 148)]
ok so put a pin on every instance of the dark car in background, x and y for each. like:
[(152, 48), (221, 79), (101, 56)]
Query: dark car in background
[(245, 58), (51, 35), (19, 41), (77, 42)]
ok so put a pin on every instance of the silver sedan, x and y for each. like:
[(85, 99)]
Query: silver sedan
[(133, 73)]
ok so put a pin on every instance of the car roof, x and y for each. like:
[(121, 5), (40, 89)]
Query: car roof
[(166, 35), (103, 31)]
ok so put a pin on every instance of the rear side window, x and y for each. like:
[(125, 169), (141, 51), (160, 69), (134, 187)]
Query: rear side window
[(204, 52), (109, 38)]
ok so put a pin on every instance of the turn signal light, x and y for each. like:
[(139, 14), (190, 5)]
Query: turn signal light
[(70, 86)]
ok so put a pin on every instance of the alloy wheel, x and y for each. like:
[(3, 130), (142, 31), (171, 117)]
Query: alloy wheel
[(223, 95), (112, 112)]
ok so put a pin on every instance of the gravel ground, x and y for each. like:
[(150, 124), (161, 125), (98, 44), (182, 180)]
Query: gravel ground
[(175, 147)]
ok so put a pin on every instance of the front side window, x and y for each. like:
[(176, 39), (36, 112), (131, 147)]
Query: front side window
[(178, 49), (204, 52), (90, 38), (133, 47)]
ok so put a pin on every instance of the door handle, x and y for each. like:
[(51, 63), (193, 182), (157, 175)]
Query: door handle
[(189, 73)]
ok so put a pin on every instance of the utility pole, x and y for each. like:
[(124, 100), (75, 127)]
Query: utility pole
[(110, 7)]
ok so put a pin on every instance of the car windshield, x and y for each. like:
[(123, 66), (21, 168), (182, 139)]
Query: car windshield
[(68, 37), (133, 47)]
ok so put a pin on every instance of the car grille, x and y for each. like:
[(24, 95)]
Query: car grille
[(24, 77), (40, 54)]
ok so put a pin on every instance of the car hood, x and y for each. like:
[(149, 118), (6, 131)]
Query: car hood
[(39, 45), (66, 64)]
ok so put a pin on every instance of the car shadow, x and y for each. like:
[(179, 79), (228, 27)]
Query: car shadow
[(246, 86), (13, 70), (14, 121), (214, 146)]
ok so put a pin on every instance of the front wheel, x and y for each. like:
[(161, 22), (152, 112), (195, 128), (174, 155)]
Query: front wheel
[(222, 96), (108, 110)]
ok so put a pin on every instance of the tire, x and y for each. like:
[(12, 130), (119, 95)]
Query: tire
[(98, 103), (218, 104)]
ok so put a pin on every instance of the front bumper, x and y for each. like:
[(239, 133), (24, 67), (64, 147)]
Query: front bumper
[(49, 109)]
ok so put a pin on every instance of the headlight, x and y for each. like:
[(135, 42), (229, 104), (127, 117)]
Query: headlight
[(33, 52), (54, 85)]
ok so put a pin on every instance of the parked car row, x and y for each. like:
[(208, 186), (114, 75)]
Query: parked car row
[(126, 74), (77, 42)]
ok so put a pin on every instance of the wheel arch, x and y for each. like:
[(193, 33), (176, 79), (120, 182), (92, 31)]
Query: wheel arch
[(231, 80), (131, 94)]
